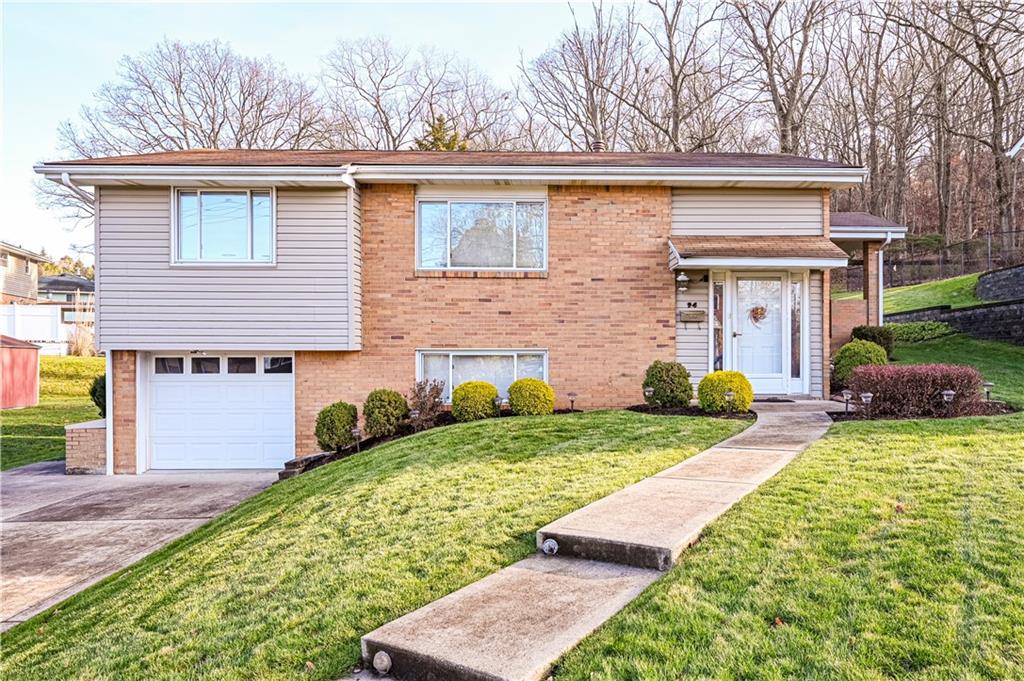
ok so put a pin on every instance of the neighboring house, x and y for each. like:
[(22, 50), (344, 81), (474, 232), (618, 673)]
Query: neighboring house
[(20, 270), (241, 291), (1017, 151), (74, 294)]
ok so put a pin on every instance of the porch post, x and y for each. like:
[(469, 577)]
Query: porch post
[(872, 300)]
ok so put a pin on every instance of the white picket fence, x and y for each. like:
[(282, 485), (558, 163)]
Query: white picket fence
[(39, 324)]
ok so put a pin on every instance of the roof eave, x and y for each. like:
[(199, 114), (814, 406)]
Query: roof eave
[(866, 232), (132, 175), (757, 263)]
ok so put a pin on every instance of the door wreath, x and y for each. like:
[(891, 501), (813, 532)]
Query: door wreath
[(757, 314)]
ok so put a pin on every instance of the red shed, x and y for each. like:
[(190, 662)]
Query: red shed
[(19, 373)]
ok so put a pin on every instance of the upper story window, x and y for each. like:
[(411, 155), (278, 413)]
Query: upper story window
[(224, 226), (482, 234), (3, 260)]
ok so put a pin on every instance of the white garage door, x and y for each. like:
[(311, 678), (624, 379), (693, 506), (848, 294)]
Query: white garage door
[(221, 411)]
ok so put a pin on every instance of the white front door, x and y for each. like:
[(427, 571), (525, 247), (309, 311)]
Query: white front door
[(761, 331), (231, 410)]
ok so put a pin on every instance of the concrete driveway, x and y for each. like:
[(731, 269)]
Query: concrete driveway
[(61, 533)]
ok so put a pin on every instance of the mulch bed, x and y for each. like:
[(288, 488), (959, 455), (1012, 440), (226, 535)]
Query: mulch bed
[(992, 408), (687, 411)]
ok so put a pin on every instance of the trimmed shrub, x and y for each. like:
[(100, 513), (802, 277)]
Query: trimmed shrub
[(334, 426), (919, 332), (474, 400), (383, 411), (915, 390), (98, 394), (879, 335), (712, 389), (427, 399), (531, 397), (671, 384), (854, 354)]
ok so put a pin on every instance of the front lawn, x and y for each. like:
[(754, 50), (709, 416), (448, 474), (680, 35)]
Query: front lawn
[(955, 292), (284, 585), (861, 590), (37, 433)]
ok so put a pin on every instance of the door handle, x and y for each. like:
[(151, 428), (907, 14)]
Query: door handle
[(736, 333)]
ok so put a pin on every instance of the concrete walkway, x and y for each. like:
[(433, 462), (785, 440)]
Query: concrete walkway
[(516, 623), (60, 533)]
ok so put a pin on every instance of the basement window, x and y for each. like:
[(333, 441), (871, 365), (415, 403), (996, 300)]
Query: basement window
[(500, 368)]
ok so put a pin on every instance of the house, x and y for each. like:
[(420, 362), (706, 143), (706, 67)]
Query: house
[(241, 291), (74, 294), (20, 273)]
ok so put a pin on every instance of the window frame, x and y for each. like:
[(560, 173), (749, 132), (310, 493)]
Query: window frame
[(493, 198), (5, 260), (478, 352), (222, 356), (176, 261)]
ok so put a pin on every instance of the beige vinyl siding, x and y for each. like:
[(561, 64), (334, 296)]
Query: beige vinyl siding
[(817, 360), (692, 337), (300, 303), (747, 212), (18, 282)]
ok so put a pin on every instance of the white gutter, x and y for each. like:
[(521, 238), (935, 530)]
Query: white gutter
[(65, 179), (881, 279), (759, 263), (853, 233), (346, 175), (108, 414)]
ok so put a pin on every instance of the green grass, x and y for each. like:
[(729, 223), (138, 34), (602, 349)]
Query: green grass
[(37, 433), (1001, 363), (864, 592), (301, 571), (955, 292)]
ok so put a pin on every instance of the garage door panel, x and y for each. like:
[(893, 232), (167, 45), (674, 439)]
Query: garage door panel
[(221, 420)]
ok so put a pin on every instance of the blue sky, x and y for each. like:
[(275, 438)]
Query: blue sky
[(55, 55)]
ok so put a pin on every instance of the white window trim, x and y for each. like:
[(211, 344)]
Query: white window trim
[(493, 198), (175, 261), (477, 352), (223, 357)]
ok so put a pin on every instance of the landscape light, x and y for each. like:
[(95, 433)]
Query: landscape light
[(988, 385), (847, 396), (572, 401), (866, 399), (948, 395), (357, 436)]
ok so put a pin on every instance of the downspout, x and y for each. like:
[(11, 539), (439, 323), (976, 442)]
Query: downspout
[(109, 412), (65, 179), (881, 279)]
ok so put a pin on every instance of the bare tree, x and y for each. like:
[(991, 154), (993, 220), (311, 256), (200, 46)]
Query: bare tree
[(988, 39), (185, 96), (790, 42), (571, 84)]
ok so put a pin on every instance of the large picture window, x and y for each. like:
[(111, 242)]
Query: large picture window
[(498, 367), (224, 226), (509, 235)]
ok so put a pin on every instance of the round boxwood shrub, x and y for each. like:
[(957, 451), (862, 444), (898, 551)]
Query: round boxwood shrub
[(712, 389), (671, 384), (854, 354), (334, 426), (98, 393), (531, 396), (474, 400), (882, 335), (383, 411)]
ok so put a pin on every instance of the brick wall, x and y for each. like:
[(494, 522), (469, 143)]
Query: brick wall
[(85, 448), (846, 314), (871, 281), (604, 312), (123, 366)]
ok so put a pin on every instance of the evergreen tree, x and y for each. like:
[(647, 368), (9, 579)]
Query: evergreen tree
[(438, 138)]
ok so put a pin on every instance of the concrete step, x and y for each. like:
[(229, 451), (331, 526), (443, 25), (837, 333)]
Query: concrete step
[(512, 625)]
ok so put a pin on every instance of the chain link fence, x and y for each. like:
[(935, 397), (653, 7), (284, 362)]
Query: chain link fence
[(913, 263)]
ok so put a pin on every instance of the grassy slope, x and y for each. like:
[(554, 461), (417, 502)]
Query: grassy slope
[(37, 433), (957, 292), (300, 571), (865, 592), (1001, 363)]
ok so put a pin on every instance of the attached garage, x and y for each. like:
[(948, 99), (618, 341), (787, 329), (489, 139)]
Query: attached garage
[(219, 410)]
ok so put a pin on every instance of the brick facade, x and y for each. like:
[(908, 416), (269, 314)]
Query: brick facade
[(604, 311), (871, 281), (846, 314), (85, 448), (124, 421)]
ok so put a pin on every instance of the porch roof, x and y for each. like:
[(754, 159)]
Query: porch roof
[(762, 251)]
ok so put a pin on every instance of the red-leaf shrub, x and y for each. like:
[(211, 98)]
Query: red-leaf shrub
[(915, 390)]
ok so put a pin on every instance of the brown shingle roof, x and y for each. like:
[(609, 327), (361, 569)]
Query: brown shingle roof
[(327, 158), (757, 247), (854, 219)]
